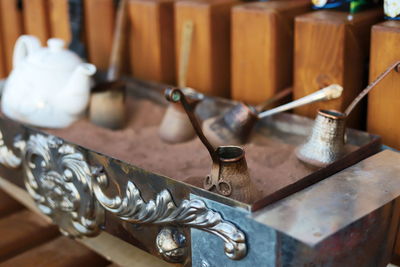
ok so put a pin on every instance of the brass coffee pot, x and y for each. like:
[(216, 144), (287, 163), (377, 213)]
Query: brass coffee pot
[(175, 126), (229, 173), (326, 143), (236, 125)]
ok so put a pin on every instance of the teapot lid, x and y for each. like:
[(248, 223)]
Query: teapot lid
[(55, 56)]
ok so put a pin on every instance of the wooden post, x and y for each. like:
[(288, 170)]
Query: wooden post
[(11, 23), (8, 205), (59, 252), (262, 48), (21, 231), (3, 70), (209, 61), (59, 19), (384, 99), (36, 20), (152, 54), (99, 21), (331, 48)]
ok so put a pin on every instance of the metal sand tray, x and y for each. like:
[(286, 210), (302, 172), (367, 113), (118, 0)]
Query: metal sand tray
[(142, 207)]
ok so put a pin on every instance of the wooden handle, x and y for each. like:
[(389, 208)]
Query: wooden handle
[(118, 41), (186, 43)]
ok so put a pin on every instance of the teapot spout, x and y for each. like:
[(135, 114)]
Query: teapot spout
[(82, 74), (74, 98)]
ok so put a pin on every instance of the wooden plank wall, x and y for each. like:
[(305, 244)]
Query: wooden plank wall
[(12, 27), (50, 18), (28, 239)]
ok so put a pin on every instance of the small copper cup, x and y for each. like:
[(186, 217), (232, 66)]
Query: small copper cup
[(230, 176), (326, 142)]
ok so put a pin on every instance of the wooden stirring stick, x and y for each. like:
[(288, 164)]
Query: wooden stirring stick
[(186, 44), (107, 107)]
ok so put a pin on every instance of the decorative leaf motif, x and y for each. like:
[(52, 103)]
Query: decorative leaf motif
[(7, 157), (58, 178), (63, 186), (163, 211)]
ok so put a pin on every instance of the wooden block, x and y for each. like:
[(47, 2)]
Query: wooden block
[(384, 99), (3, 70), (60, 252), (99, 21), (21, 231), (36, 20), (152, 46), (8, 205), (59, 19), (262, 48), (11, 23), (330, 48), (209, 63)]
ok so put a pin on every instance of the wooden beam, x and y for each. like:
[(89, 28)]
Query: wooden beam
[(59, 19), (12, 28), (99, 21), (60, 252), (330, 48), (384, 99), (36, 19), (262, 48), (209, 62), (22, 231), (152, 46)]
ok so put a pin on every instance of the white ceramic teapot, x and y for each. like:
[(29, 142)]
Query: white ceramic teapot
[(49, 86)]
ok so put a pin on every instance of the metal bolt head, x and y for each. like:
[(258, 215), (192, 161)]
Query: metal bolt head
[(171, 244)]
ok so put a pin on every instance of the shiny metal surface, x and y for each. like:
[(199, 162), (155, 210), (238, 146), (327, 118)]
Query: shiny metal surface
[(229, 174), (319, 227), (331, 205), (162, 210), (327, 141), (171, 244), (235, 126), (231, 128), (261, 240), (59, 179), (7, 156)]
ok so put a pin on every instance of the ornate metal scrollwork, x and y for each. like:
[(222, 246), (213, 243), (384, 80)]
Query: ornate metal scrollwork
[(7, 157), (163, 211), (64, 187), (59, 180)]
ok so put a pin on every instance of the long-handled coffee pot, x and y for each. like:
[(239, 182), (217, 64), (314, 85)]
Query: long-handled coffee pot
[(107, 105), (175, 126), (235, 126), (326, 143), (229, 174)]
